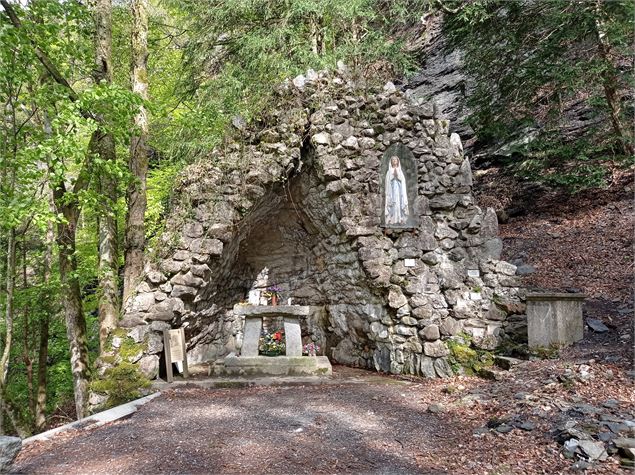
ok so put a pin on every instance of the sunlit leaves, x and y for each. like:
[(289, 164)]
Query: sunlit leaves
[(237, 50)]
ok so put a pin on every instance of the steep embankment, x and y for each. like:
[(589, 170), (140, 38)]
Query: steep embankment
[(565, 242), (582, 242)]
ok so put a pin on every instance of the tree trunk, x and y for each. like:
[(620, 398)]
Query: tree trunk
[(611, 82), (40, 403), (72, 300), (26, 350), (8, 319), (103, 145), (138, 162)]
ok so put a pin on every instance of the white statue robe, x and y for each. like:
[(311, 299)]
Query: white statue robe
[(396, 207)]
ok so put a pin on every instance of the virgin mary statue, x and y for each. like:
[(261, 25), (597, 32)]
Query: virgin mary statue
[(396, 208)]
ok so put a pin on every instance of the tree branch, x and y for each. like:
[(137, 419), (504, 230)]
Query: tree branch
[(41, 55)]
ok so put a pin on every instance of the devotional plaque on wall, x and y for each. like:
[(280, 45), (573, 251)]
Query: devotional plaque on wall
[(398, 179)]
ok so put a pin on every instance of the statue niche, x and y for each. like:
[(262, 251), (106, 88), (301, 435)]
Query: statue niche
[(398, 177)]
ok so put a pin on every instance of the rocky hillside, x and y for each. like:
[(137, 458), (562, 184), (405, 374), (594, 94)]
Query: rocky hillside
[(442, 78)]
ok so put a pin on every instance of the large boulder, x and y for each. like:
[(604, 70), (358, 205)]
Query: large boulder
[(9, 449)]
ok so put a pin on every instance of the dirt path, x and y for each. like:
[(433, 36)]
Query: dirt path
[(381, 425)]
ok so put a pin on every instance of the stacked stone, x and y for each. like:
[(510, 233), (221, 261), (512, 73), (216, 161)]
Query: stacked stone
[(321, 147), (457, 276)]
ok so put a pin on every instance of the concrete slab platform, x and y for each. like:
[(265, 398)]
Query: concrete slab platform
[(273, 366)]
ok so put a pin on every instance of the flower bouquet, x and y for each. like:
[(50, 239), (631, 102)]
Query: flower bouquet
[(273, 294), (272, 343), (311, 349)]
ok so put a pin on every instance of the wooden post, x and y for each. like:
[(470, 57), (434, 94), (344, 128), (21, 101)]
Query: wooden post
[(168, 356), (185, 369)]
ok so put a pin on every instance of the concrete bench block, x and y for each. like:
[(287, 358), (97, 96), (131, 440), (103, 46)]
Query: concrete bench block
[(554, 318)]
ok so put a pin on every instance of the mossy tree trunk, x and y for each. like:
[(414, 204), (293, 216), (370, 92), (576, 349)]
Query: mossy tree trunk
[(72, 301), (138, 161), (611, 84), (103, 145)]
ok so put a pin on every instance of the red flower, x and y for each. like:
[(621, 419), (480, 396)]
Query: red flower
[(277, 336)]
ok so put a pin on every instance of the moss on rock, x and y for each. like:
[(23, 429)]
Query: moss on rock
[(121, 384)]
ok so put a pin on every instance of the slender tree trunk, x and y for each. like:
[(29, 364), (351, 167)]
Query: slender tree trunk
[(108, 253), (26, 350), (40, 404), (8, 320), (103, 145), (138, 162), (611, 83), (315, 34), (72, 301), (10, 270)]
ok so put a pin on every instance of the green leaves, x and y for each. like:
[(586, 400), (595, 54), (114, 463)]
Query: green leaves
[(532, 62), (235, 52)]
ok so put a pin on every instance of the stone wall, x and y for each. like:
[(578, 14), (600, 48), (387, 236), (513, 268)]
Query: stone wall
[(299, 194)]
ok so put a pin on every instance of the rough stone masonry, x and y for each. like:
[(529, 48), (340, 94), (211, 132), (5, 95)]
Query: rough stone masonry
[(298, 196)]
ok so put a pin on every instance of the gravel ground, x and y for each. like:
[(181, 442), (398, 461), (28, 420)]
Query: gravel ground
[(359, 423)]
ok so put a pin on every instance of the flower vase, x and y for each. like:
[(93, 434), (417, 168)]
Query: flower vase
[(274, 300)]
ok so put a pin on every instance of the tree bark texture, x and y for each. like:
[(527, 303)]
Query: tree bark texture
[(138, 161), (8, 317), (26, 333), (73, 311), (103, 145), (43, 347)]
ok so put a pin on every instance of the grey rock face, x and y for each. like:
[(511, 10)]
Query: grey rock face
[(443, 368), (436, 349), (142, 302), (525, 269), (149, 366), (9, 449), (270, 207), (431, 332), (596, 325), (212, 247), (593, 450)]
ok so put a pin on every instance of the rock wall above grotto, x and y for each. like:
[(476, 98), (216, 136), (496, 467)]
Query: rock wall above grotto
[(299, 197)]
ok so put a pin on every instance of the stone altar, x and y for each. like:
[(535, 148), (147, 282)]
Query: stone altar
[(554, 318), (249, 363), (253, 325)]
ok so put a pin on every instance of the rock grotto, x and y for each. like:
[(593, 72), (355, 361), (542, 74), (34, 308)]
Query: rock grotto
[(299, 199)]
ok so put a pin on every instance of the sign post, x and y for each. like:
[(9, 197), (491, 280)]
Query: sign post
[(174, 345)]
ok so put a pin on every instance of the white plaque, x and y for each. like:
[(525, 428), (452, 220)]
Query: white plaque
[(409, 262), (176, 346), (254, 297), (473, 273)]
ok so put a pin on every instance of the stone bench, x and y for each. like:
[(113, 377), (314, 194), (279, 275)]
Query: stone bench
[(554, 318)]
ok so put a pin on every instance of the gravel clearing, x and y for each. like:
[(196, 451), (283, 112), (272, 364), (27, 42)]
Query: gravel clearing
[(359, 423)]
